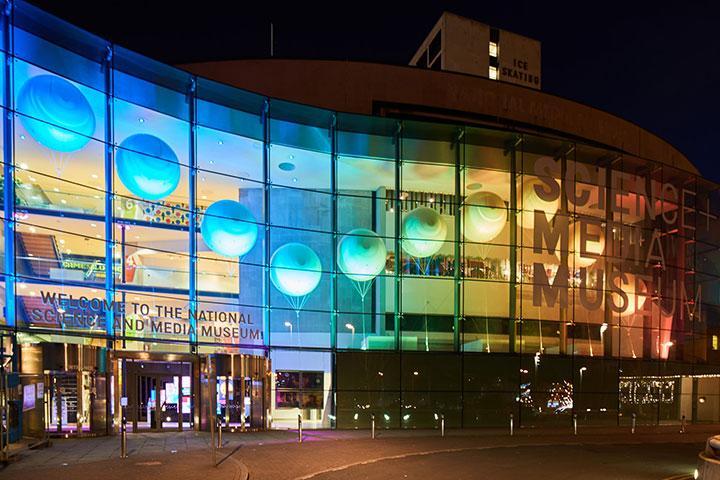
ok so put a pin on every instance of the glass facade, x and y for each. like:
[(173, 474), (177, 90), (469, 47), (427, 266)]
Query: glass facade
[(395, 268)]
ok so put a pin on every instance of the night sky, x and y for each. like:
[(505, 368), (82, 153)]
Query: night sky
[(653, 63)]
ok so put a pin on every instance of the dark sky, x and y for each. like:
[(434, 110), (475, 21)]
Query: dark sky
[(653, 63)]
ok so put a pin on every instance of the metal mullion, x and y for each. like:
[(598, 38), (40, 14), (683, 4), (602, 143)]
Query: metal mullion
[(398, 243), (192, 230), (266, 221), (457, 309), (334, 225), (109, 189), (9, 174)]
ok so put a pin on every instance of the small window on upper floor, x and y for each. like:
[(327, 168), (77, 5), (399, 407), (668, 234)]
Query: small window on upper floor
[(493, 49), (493, 73)]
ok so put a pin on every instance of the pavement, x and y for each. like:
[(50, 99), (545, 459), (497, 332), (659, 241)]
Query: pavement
[(652, 453)]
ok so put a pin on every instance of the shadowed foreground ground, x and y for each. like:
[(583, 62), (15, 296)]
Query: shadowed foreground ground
[(652, 453)]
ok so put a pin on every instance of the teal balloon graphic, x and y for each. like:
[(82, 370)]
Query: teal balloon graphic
[(361, 254), (58, 114), (229, 228), (147, 166), (295, 269), (423, 231), (484, 215)]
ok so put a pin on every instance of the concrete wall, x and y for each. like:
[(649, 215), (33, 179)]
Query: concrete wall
[(465, 46), (366, 87)]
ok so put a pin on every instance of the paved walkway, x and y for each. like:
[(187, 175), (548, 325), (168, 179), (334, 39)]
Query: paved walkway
[(316, 459), (276, 455)]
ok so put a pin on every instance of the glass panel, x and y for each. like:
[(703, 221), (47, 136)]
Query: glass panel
[(302, 386), (58, 149), (428, 237), (365, 175), (300, 214), (151, 182)]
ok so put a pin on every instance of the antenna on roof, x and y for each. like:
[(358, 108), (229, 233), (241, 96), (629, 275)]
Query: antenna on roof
[(272, 40)]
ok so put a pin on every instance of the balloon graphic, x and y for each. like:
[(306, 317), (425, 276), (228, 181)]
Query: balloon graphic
[(147, 166), (229, 228), (58, 114), (295, 269), (361, 254), (485, 216), (531, 202), (423, 231)]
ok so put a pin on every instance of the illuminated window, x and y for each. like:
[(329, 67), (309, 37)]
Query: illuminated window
[(493, 73), (714, 342), (493, 49)]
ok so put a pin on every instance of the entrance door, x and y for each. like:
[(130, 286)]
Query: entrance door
[(240, 390), (159, 395), (144, 417), (240, 402)]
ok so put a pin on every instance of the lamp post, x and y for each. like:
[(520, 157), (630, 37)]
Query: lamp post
[(289, 325), (351, 327), (582, 371)]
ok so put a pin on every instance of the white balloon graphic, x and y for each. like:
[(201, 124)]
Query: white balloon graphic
[(531, 202), (484, 216), (423, 232)]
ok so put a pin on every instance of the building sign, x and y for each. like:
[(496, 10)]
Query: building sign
[(519, 71), (144, 320), (638, 230), (519, 60), (92, 268)]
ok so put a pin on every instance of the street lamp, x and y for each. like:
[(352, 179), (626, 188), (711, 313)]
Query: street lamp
[(351, 327), (582, 370), (603, 328), (289, 325)]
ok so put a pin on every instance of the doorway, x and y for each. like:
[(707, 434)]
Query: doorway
[(241, 391), (159, 395)]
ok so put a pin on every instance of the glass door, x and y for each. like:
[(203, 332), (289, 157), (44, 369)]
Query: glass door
[(145, 417), (169, 395), (159, 395)]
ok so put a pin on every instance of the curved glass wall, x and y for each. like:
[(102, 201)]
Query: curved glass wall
[(395, 268)]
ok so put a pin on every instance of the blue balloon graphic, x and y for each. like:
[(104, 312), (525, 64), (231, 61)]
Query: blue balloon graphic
[(295, 269), (147, 166), (58, 114), (361, 254), (229, 228), (423, 232)]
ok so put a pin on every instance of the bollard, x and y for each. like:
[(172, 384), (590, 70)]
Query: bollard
[(219, 433), (575, 423), (682, 424), (512, 425), (634, 422), (123, 438), (442, 425), (300, 428), (213, 445), (372, 426)]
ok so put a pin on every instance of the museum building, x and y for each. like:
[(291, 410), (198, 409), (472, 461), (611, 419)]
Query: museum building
[(256, 240)]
